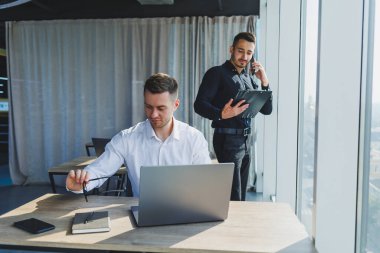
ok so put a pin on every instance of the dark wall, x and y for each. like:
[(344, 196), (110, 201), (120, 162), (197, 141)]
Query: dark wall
[(2, 34), (72, 9), (3, 69)]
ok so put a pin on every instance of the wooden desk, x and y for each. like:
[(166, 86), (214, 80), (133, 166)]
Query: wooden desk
[(79, 163), (250, 227)]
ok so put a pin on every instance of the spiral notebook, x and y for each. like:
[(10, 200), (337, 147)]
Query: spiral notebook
[(91, 222)]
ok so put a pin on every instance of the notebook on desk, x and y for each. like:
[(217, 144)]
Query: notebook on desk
[(91, 222), (180, 194)]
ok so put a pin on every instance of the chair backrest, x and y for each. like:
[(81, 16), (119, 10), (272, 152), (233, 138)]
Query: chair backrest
[(100, 144)]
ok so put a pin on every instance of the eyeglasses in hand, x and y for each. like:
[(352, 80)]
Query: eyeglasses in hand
[(86, 192)]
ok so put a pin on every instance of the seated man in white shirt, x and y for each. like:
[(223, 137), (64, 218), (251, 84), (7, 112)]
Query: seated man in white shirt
[(160, 140)]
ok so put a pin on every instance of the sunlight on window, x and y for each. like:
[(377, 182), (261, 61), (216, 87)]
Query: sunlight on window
[(307, 124), (372, 245)]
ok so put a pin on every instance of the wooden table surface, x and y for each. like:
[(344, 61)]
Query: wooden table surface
[(250, 227)]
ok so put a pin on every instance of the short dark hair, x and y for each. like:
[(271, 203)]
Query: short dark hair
[(160, 83), (244, 36)]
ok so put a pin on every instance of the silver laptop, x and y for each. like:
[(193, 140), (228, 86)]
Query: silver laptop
[(179, 194)]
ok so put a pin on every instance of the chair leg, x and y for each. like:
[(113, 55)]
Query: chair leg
[(120, 184), (52, 183), (108, 186), (129, 192)]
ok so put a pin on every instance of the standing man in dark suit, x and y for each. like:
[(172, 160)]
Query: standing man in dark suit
[(214, 101)]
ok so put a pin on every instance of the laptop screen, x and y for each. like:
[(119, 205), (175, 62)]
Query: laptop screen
[(184, 193)]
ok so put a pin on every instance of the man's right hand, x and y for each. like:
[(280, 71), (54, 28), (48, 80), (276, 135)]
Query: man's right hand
[(229, 111), (75, 179)]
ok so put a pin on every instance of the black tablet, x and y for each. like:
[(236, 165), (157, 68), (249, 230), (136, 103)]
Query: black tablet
[(256, 100), (34, 226)]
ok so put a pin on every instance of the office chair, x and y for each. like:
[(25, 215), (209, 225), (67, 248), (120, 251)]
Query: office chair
[(99, 145)]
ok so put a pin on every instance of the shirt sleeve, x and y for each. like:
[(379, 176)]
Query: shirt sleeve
[(201, 154), (108, 163), (206, 94), (268, 106)]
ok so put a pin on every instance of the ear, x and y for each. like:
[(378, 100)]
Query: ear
[(176, 104), (231, 49)]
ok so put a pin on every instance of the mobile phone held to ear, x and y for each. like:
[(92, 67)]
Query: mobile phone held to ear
[(34, 226), (253, 70)]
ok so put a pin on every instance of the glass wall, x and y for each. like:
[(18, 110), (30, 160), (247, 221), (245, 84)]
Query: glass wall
[(370, 242), (306, 150)]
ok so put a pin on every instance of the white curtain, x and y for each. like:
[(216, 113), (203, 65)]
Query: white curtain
[(71, 80)]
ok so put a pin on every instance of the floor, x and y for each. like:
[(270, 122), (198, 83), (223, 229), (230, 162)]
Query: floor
[(13, 196)]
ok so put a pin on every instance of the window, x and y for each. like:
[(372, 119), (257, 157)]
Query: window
[(306, 150), (370, 220)]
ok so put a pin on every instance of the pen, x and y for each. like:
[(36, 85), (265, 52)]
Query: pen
[(88, 218)]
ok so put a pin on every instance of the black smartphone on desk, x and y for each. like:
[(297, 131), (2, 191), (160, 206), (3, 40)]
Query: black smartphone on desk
[(33, 225)]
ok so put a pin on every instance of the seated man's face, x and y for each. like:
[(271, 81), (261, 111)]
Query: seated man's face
[(159, 108)]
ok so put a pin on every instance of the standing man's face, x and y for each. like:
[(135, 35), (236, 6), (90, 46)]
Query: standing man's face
[(242, 53), (159, 108)]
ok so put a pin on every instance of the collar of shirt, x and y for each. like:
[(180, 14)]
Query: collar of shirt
[(150, 131), (243, 78)]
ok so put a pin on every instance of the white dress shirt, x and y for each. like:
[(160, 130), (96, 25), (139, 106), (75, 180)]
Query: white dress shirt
[(139, 146)]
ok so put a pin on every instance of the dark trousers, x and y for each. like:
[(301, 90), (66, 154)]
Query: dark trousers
[(234, 148)]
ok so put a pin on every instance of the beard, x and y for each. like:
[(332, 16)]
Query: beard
[(239, 62)]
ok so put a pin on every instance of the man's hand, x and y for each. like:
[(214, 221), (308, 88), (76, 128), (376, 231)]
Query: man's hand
[(260, 73), (229, 111), (75, 179)]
